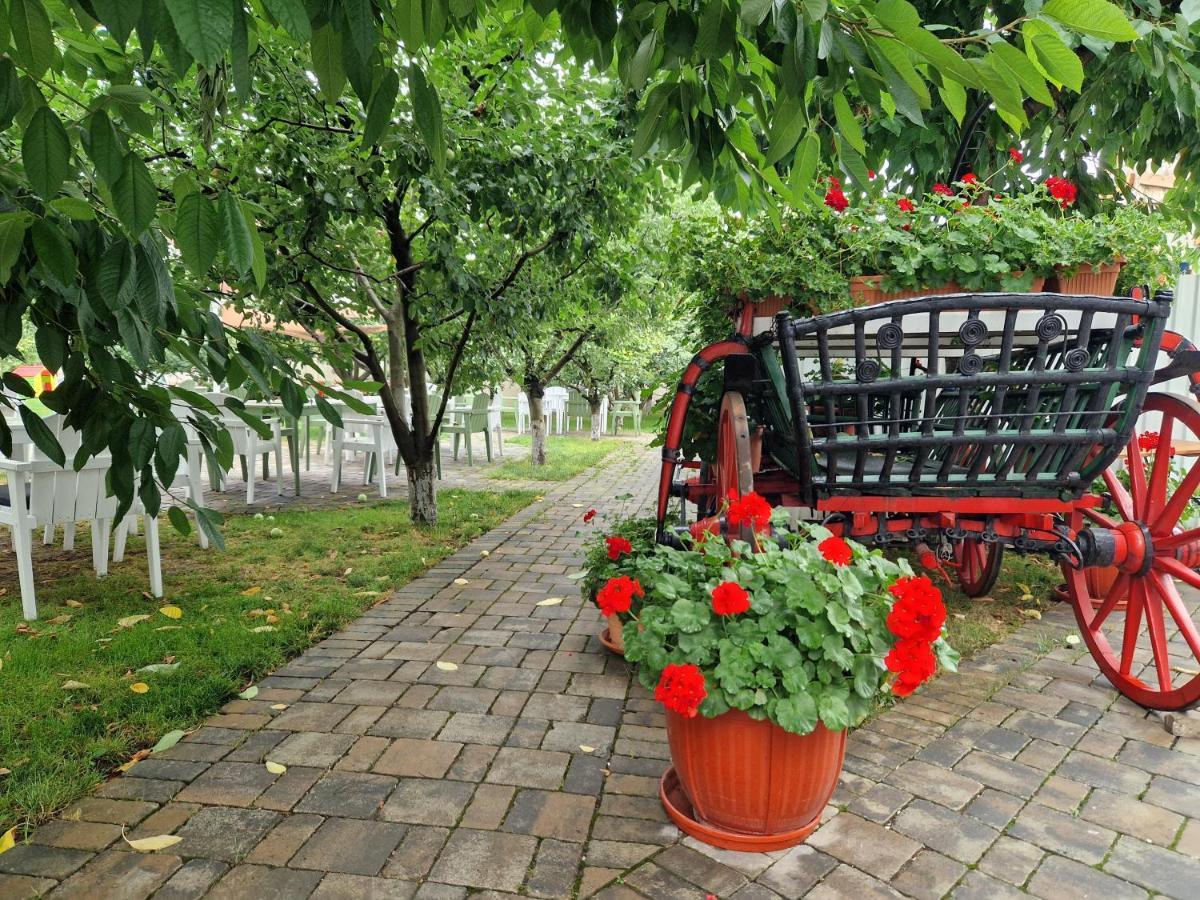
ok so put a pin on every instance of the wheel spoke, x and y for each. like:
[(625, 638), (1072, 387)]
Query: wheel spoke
[(1115, 595), (1178, 569), (1172, 541), (1099, 518), (1120, 495), (1175, 605), (1133, 624), (1174, 507), (1158, 636), (1137, 478), (1156, 494)]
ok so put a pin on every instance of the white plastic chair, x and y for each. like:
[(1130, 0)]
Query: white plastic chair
[(554, 408), (496, 422), (523, 421), (371, 435), (249, 446), (41, 493)]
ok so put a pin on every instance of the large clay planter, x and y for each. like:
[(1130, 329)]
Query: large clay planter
[(744, 784), (867, 290), (1099, 280)]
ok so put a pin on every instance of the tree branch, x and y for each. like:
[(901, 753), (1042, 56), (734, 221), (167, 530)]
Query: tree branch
[(566, 357), (451, 370), (525, 257)]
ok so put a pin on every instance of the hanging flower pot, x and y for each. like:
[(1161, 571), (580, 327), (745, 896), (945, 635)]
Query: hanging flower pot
[(867, 290), (1088, 279)]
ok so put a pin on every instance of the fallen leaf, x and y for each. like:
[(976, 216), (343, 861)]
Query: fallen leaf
[(279, 706), (4, 772), (74, 604), (167, 741), (75, 686), (1072, 639), (172, 612), (139, 687), (150, 844), (169, 628), (550, 601), (130, 621), (251, 591), (276, 768), (585, 748), (249, 693), (8, 840), (485, 553), (577, 505), (447, 666), (261, 628), (461, 581), (160, 667), (59, 620), (1031, 613)]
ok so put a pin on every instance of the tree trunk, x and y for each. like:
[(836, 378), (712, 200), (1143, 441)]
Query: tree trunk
[(422, 493), (398, 365), (537, 425), (594, 407)]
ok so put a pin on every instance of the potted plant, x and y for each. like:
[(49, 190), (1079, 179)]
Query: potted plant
[(609, 562), (764, 652)]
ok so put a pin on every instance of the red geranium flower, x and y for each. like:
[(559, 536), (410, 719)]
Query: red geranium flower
[(681, 689), (1062, 190), (1017, 155), (913, 662), (617, 594), (836, 200), (836, 551), (588, 516), (943, 189), (834, 182), (750, 510), (729, 598), (871, 174), (969, 178), (918, 613), (1148, 440), (906, 205), (616, 546)]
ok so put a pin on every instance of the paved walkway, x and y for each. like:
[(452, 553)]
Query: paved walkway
[(530, 766)]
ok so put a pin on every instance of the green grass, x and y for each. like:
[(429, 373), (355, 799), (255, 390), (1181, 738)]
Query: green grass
[(566, 457), (326, 567)]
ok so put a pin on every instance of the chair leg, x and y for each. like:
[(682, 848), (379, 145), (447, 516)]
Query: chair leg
[(467, 441), (379, 455), (100, 533), (335, 482), (196, 492), (153, 556), (456, 447), (48, 536), (22, 539), (69, 536), (118, 553), (487, 443)]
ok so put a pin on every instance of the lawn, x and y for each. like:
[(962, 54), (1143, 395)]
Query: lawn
[(244, 612), (566, 457)]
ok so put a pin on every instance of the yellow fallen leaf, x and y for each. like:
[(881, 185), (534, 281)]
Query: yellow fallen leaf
[(447, 666), (251, 591), (139, 687), (75, 686), (279, 706), (1031, 613), (8, 840), (74, 604), (550, 601), (60, 619), (172, 612), (485, 553), (585, 748), (169, 628), (150, 844), (130, 621), (276, 768), (1072, 639), (261, 628), (4, 771), (577, 505), (461, 581)]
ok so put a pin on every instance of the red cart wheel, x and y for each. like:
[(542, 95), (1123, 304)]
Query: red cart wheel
[(978, 566), (734, 471), (1151, 651)]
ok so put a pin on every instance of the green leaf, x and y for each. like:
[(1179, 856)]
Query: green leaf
[(835, 715), (290, 14), (12, 238), (1097, 18), (360, 25), (1057, 61), (171, 738), (205, 28), (329, 411), (847, 124), (1005, 55), (258, 259), (796, 713), (954, 96), (326, 49), (651, 120), (804, 166), (379, 110), (753, 12), (427, 112), (235, 233), (120, 17), (292, 397), (179, 519), (17, 384), (54, 251), (197, 232), (46, 152), (32, 37), (135, 196), (639, 68), (104, 147), (787, 124), (171, 445), (43, 438)]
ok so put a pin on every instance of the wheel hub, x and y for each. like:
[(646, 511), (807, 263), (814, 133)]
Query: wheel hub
[(1138, 544)]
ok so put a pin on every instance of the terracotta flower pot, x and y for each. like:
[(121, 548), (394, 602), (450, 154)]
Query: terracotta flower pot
[(1097, 280), (749, 783), (867, 290), (612, 637)]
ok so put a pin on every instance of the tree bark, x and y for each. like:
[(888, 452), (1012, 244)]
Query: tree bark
[(537, 423), (422, 492), (594, 407)]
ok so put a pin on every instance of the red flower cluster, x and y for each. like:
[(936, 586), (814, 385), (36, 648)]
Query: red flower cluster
[(1062, 190), (834, 198), (916, 618), (750, 510), (969, 178), (729, 598), (906, 205), (836, 551), (681, 689), (1148, 440), (1017, 155), (617, 545), (944, 189), (617, 595), (588, 516)]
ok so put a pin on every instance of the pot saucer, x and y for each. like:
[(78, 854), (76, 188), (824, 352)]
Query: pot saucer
[(679, 808), (607, 641), (1062, 595)]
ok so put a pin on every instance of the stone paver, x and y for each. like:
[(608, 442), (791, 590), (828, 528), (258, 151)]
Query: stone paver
[(1022, 774)]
